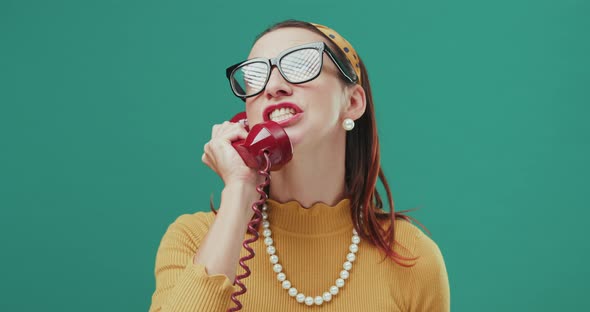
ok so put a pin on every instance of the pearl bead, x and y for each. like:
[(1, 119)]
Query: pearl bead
[(266, 232), (327, 296), (277, 268), (292, 291), (286, 284), (308, 301), (265, 224), (274, 259), (350, 257), (281, 277), (340, 283), (356, 239), (334, 290), (344, 274), (268, 241), (348, 124), (354, 232), (271, 250), (264, 207), (300, 297), (318, 300), (347, 265), (353, 247), (264, 215)]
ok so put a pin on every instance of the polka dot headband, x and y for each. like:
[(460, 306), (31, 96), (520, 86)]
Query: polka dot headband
[(344, 45)]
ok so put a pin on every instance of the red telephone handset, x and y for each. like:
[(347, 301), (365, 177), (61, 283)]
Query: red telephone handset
[(267, 147), (267, 136)]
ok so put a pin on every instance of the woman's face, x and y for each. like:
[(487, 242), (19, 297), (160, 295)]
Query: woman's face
[(320, 101)]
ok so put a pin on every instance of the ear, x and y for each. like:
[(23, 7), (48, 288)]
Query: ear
[(356, 102)]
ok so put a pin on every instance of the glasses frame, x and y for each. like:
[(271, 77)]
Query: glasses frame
[(276, 61)]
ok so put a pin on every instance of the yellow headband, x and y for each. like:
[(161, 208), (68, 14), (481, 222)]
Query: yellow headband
[(345, 46)]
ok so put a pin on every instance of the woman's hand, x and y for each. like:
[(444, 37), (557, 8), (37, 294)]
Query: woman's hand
[(222, 157), (240, 180)]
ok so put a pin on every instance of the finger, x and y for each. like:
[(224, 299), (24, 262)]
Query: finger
[(237, 132), (208, 148), (243, 122), (223, 127), (214, 130), (219, 127), (208, 160)]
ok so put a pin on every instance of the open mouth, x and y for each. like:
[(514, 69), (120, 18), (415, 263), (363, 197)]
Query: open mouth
[(283, 113)]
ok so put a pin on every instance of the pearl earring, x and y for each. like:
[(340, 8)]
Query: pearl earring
[(348, 124)]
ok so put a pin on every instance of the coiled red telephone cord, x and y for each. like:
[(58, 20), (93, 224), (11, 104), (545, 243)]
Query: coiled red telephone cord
[(252, 225)]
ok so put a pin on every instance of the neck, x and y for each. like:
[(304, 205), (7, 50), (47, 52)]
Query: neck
[(316, 174)]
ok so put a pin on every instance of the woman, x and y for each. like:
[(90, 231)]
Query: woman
[(318, 202)]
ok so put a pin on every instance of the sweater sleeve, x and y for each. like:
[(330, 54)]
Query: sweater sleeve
[(430, 280), (182, 285)]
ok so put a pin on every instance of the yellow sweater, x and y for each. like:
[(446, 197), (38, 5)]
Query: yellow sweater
[(312, 245)]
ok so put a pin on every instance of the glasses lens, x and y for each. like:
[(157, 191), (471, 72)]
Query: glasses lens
[(301, 65), (250, 78)]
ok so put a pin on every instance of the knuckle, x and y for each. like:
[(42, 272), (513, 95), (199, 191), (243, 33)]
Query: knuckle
[(213, 144)]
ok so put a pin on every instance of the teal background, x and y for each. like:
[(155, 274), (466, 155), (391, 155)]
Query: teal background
[(105, 106)]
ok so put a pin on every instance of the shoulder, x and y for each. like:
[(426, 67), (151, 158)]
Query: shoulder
[(410, 240), (189, 229), (427, 278), (195, 220)]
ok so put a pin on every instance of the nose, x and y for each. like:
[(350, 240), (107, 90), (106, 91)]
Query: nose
[(277, 86)]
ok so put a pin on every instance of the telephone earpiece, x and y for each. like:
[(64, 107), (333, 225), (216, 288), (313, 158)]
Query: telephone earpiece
[(264, 137)]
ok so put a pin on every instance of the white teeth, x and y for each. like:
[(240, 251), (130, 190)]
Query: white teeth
[(281, 117), (281, 114)]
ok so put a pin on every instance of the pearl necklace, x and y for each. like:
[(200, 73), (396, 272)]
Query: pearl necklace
[(286, 284)]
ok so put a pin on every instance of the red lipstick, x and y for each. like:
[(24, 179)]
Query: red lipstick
[(283, 123)]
